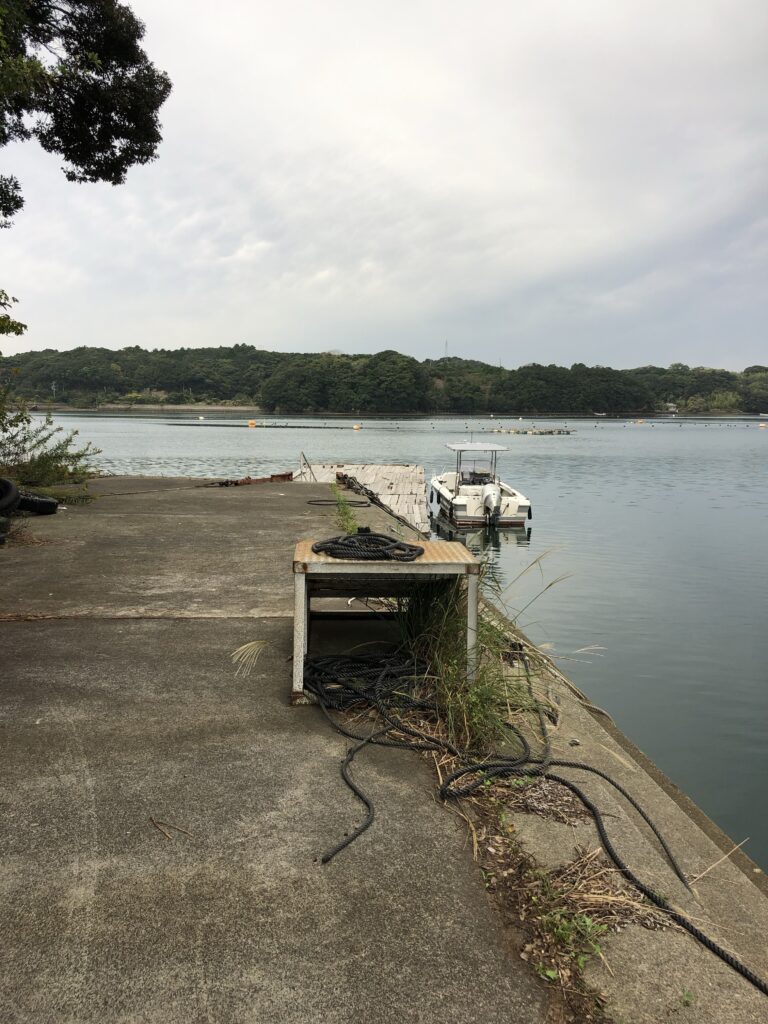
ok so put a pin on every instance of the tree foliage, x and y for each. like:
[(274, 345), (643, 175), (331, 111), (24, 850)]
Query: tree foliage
[(7, 324), (386, 382), (73, 76)]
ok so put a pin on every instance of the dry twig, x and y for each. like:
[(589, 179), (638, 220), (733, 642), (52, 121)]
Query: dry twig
[(725, 856), (159, 827)]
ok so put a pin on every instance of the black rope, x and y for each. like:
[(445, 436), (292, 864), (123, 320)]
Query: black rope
[(351, 502), (353, 484), (539, 767), (657, 899), (388, 685), (357, 684), (368, 547)]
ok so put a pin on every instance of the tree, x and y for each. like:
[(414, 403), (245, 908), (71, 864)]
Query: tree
[(7, 324), (73, 76), (391, 382)]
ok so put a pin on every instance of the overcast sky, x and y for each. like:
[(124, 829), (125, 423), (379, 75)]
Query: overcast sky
[(534, 181)]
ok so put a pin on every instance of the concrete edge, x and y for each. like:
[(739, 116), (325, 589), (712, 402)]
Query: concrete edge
[(724, 842)]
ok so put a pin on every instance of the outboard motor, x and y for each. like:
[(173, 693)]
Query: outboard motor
[(492, 502)]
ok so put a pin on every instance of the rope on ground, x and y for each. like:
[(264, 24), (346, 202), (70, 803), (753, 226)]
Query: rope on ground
[(149, 490), (387, 686), (368, 547), (332, 501)]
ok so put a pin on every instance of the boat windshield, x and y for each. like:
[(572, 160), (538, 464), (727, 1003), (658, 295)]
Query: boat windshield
[(476, 472)]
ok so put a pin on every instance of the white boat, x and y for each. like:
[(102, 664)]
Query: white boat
[(473, 495)]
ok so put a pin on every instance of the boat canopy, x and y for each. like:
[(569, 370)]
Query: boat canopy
[(477, 446)]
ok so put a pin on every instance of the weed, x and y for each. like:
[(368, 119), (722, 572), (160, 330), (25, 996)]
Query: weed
[(433, 627), (565, 912), (548, 973), (67, 495), (687, 997), (577, 933), (345, 517)]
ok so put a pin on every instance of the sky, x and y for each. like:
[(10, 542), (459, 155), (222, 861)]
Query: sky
[(539, 181)]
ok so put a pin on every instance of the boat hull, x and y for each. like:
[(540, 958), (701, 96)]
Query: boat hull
[(465, 521), (476, 522)]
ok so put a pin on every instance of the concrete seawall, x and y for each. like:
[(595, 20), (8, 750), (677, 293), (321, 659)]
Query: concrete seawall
[(120, 704)]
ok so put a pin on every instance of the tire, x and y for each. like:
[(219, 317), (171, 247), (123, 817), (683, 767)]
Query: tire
[(38, 504), (9, 495)]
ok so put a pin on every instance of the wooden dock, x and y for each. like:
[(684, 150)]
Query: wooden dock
[(532, 431), (401, 488)]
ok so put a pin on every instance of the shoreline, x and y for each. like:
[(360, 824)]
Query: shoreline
[(258, 413)]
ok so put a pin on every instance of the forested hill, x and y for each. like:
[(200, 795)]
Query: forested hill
[(386, 382)]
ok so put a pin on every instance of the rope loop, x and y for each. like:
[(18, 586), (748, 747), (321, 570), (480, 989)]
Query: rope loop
[(368, 547)]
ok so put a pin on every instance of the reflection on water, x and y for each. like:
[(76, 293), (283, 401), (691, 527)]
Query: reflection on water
[(487, 541), (647, 560), (485, 544)]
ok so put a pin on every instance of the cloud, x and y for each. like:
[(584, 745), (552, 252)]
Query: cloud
[(552, 181)]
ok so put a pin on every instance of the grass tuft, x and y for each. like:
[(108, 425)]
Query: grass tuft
[(67, 495), (345, 519), (475, 714), (245, 657)]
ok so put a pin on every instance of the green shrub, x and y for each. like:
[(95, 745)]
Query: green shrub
[(39, 454)]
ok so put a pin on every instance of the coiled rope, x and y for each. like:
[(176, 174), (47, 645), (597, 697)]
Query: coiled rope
[(387, 685), (368, 547)]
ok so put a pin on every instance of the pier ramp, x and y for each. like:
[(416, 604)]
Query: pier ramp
[(401, 487)]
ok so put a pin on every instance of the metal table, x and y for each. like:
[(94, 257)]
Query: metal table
[(321, 575)]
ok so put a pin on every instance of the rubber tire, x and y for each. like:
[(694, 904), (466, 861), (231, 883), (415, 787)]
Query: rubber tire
[(37, 503), (9, 495)]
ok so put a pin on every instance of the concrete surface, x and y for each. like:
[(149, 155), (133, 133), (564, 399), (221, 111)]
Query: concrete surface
[(120, 703), (645, 973)]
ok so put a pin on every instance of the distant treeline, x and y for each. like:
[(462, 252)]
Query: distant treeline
[(387, 382)]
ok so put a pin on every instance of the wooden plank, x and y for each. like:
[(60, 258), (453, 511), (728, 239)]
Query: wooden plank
[(400, 487)]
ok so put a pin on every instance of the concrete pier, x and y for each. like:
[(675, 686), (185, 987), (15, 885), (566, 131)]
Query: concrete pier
[(120, 704)]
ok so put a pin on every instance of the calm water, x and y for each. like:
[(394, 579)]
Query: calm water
[(662, 530)]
